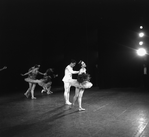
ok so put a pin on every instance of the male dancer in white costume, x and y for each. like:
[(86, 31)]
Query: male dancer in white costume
[(67, 79)]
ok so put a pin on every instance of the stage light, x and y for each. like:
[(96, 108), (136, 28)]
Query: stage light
[(141, 34), (141, 52), (141, 27), (141, 43)]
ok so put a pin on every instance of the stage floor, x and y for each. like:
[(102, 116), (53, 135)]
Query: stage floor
[(109, 113)]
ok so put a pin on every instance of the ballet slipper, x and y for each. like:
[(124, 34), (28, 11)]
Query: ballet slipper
[(68, 103), (42, 91), (26, 95), (33, 97), (81, 109), (49, 92)]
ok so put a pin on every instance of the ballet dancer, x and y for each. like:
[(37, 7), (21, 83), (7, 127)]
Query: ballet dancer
[(82, 84), (46, 82), (3, 68), (31, 79), (67, 79)]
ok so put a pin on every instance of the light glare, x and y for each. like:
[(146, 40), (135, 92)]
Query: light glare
[(141, 52), (141, 34), (141, 43)]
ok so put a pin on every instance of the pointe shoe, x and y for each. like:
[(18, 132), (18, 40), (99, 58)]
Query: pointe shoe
[(81, 109), (49, 92), (42, 91), (68, 103), (26, 95), (33, 97)]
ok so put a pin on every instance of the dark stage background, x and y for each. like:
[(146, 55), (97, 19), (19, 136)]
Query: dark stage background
[(103, 33)]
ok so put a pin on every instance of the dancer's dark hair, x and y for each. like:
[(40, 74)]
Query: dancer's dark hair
[(37, 66), (73, 61)]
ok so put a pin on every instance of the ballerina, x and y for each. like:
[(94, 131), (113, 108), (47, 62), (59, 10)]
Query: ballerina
[(31, 79), (46, 82), (82, 83)]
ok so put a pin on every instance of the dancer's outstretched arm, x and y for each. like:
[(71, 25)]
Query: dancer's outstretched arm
[(41, 73), (3, 68), (26, 73), (71, 70)]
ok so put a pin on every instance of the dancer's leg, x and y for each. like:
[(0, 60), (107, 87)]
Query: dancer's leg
[(42, 84), (28, 90), (76, 95), (32, 91), (48, 88), (44, 89), (67, 92), (80, 100)]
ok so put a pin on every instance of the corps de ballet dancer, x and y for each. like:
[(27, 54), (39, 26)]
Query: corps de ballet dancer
[(5, 67), (31, 79), (82, 83), (46, 81), (67, 79)]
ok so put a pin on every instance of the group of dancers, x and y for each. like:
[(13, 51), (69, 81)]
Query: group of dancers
[(45, 82), (81, 83)]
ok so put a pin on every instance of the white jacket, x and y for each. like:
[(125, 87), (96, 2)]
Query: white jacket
[(68, 74)]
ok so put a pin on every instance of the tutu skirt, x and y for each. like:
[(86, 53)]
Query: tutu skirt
[(32, 80), (85, 84), (82, 81), (43, 84)]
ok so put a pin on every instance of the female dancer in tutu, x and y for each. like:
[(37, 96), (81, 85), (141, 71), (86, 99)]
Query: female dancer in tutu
[(82, 84), (46, 82), (31, 79)]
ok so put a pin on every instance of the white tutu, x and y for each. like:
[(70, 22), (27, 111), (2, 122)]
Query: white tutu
[(85, 84), (32, 80), (43, 84)]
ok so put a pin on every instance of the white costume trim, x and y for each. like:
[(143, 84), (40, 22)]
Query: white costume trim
[(32, 80), (85, 84)]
